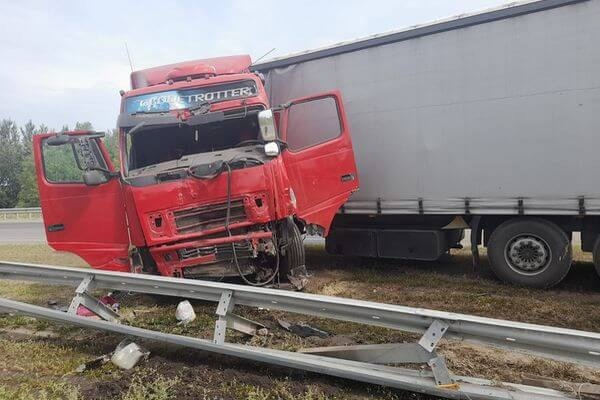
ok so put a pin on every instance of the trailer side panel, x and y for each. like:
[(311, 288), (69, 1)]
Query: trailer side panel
[(495, 118)]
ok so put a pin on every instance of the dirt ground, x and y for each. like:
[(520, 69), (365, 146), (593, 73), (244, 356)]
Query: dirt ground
[(38, 359)]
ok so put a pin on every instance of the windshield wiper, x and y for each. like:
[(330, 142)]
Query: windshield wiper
[(137, 127), (171, 175), (142, 112)]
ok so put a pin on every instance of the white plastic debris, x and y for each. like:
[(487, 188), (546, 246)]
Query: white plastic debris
[(127, 354), (185, 313)]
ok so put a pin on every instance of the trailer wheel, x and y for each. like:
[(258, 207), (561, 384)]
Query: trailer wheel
[(530, 252), (293, 255)]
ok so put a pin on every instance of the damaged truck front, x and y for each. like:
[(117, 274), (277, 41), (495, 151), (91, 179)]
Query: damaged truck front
[(212, 182)]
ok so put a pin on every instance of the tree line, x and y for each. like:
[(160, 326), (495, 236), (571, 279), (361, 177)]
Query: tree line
[(18, 183)]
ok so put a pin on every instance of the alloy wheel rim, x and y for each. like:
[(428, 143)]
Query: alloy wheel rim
[(528, 254)]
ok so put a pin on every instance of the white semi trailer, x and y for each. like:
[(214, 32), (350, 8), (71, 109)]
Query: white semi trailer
[(488, 121)]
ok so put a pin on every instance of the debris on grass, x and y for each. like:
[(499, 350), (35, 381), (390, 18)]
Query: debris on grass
[(303, 330), (185, 313), (128, 354), (262, 332), (107, 300), (93, 364)]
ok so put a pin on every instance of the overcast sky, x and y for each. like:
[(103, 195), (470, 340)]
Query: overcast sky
[(63, 61)]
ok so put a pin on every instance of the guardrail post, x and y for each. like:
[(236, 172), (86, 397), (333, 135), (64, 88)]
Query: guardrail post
[(232, 321)]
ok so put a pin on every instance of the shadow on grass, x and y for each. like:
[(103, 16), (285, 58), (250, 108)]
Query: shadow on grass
[(581, 278)]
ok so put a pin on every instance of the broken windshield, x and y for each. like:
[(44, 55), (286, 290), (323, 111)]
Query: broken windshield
[(156, 147)]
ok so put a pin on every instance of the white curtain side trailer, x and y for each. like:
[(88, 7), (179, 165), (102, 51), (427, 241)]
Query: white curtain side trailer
[(492, 117)]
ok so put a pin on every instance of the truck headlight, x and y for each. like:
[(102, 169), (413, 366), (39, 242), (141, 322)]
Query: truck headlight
[(272, 149)]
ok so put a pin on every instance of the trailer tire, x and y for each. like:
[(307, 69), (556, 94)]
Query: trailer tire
[(294, 250), (530, 252)]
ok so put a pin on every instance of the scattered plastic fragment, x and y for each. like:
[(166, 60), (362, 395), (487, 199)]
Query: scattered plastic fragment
[(262, 332), (108, 300), (93, 364), (185, 313), (128, 354), (302, 329)]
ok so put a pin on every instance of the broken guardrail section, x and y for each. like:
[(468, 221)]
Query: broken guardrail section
[(366, 363)]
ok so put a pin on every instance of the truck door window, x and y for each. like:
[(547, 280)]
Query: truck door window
[(60, 164), (65, 163), (312, 122)]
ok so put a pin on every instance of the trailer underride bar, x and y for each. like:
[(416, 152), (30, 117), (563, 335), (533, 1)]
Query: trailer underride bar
[(362, 363)]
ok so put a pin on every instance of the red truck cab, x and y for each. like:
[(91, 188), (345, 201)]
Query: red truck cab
[(212, 181)]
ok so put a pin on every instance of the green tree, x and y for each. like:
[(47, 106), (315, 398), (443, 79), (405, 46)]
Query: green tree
[(84, 126), (27, 131), (11, 155), (28, 195), (111, 141)]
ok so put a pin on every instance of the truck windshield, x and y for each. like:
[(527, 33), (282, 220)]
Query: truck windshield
[(156, 145)]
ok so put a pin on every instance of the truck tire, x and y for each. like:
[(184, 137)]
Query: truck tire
[(530, 252), (294, 250)]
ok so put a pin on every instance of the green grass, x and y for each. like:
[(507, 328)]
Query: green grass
[(50, 390), (150, 385), (38, 254)]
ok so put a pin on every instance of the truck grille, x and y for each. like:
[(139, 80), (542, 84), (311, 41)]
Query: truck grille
[(222, 251), (203, 218)]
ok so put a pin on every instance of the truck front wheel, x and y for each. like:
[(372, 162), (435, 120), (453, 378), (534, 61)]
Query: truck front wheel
[(292, 254), (530, 252)]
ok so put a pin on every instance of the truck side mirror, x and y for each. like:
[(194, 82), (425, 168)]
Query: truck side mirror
[(266, 123), (94, 177), (58, 140)]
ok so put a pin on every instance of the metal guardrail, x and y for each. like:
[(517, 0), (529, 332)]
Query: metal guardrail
[(557, 343), (19, 213), (353, 362)]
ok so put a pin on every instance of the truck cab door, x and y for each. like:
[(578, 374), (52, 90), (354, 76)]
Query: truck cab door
[(87, 219), (319, 157)]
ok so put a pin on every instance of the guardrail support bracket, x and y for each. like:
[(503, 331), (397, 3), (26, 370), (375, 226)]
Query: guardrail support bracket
[(83, 298), (397, 353)]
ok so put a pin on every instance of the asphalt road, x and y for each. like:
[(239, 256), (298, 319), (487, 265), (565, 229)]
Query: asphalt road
[(22, 232)]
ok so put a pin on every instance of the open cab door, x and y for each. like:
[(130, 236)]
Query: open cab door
[(319, 157), (81, 198)]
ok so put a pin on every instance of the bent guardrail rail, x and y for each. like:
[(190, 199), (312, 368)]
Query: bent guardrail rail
[(557, 343)]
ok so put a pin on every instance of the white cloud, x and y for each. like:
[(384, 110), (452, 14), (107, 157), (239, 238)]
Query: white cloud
[(65, 61)]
